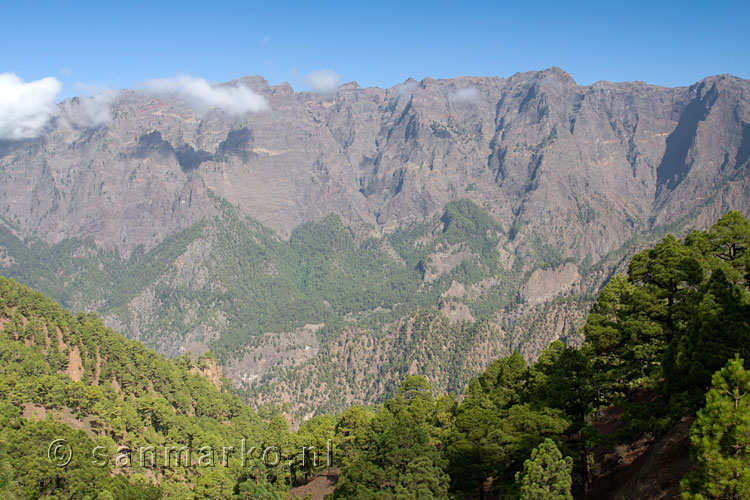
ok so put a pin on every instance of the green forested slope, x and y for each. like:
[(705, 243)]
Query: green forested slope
[(232, 286), (667, 341), (65, 376), (260, 283), (652, 342)]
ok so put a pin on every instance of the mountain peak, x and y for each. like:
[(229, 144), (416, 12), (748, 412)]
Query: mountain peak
[(350, 86), (255, 82), (557, 74)]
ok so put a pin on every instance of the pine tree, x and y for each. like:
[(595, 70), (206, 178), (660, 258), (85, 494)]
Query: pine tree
[(730, 236), (721, 439), (469, 447), (7, 484), (253, 489), (401, 461), (546, 475), (720, 327)]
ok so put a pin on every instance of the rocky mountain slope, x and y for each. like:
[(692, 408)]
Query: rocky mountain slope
[(277, 237)]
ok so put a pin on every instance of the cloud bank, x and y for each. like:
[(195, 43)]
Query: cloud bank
[(26, 108), (235, 100), (466, 95), (324, 80), (90, 111)]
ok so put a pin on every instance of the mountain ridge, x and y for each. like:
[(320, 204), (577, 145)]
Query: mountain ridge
[(380, 182)]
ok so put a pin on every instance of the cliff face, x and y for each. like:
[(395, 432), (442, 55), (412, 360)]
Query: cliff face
[(571, 175), (589, 165)]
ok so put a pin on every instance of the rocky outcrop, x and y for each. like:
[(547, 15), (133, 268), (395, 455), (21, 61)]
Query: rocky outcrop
[(545, 284), (209, 368)]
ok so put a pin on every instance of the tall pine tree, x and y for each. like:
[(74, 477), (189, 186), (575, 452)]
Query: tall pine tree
[(721, 439), (546, 475)]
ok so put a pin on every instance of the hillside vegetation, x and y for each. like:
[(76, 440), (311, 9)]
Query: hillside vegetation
[(665, 344), (232, 286)]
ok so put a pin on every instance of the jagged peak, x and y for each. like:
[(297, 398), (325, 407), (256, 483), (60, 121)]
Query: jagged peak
[(558, 74), (350, 86), (255, 82), (282, 88), (553, 76), (721, 81)]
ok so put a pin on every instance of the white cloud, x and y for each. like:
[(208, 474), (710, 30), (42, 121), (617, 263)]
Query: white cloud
[(405, 89), (66, 72), (90, 111), (26, 108), (468, 95), (202, 96), (324, 80)]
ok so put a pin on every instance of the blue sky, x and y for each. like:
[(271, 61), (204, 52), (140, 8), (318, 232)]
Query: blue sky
[(377, 44)]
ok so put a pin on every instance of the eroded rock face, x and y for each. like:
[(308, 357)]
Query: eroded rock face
[(586, 166), (273, 351), (545, 284), (210, 369)]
